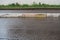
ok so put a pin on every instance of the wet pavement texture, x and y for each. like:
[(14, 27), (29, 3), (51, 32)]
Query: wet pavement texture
[(29, 29)]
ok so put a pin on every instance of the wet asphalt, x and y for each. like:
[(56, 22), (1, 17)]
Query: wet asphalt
[(29, 28)]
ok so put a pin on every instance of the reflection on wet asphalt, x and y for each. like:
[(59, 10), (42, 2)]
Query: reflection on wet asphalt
[(29, 29)]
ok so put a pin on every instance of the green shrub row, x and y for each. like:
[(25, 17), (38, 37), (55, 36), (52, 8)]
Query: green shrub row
[(39, 5)]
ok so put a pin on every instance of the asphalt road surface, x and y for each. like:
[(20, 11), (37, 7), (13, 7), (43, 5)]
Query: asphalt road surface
[(29, 28)]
